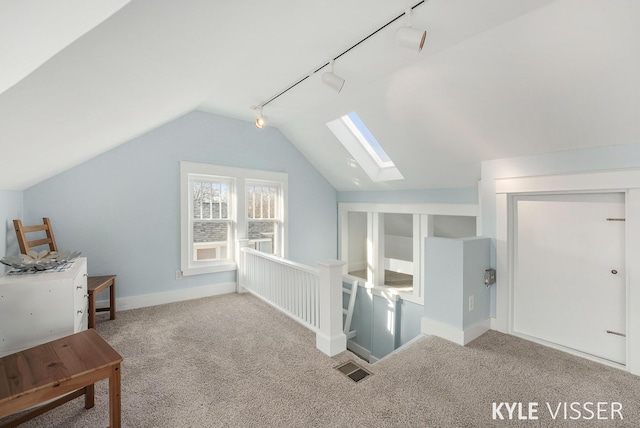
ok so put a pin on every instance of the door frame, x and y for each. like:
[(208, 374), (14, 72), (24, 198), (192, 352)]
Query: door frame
[(620, 181), (515, 238)]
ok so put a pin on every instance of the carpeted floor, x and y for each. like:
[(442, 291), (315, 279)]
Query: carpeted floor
[(232, 361)]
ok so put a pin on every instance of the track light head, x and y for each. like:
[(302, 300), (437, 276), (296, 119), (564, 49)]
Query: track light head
[(333, 80), (409, 37), (261, 120)]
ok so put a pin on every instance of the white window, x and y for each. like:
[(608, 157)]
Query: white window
[(263, 216), (211, 218), (221, 205)]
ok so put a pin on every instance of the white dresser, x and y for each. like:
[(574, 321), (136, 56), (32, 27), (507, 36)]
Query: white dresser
[(37, 308)]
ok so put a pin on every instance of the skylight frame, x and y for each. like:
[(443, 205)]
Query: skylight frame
[(367, 140), (364, 147)]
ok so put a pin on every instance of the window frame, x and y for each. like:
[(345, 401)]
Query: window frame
[(229, 220), (278, 237), (237, 206), (423, 214)]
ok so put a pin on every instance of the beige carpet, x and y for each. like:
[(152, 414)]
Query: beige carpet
[(232, 361)]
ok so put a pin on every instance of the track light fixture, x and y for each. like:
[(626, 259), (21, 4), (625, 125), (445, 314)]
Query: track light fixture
[(332, 79), (410, 37), (407, 36), (261, 120)]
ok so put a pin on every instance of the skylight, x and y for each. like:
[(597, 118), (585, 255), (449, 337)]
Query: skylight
[(363, 146)]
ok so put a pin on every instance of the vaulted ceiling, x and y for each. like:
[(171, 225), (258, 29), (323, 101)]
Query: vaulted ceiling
[(497, 78)]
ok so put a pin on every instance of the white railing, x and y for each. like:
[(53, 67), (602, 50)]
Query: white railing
[(311, 296), (289, 286)]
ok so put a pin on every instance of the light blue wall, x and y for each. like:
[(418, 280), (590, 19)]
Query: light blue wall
[(371, 319), (122, 208), (454, 271), (410, 320), (477, 258), (11, 205), (566, 162), (444, 274), (466, 195), (363, 318)]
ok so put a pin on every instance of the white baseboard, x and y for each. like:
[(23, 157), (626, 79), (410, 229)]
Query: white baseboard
[(359, 350), (453, 334), (164, 297), (331, 345), (476, 330)]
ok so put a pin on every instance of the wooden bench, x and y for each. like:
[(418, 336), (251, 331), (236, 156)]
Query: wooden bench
[(95, 285), (62, 370)]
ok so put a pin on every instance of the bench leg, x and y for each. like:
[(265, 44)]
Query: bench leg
[(92, 311), (112, 299), (89, 396), (114, 398)]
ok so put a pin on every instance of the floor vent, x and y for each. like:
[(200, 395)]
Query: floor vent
[(353, 371)]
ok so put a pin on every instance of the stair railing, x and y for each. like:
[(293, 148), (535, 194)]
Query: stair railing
[(311, 296)]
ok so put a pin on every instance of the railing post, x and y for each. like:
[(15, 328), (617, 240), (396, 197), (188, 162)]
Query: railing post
[(330, 337), (241, 274)]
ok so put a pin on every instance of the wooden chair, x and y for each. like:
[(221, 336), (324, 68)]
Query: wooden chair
[(95, 284), (26, 245)]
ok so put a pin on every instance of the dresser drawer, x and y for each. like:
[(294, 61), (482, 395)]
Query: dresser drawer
[(80, 298), (37, 308)]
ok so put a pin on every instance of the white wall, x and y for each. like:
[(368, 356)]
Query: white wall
[(10, 208), (122, 208), (550, 168)]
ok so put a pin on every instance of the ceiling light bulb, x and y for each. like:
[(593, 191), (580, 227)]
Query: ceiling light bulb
[(261, 121)]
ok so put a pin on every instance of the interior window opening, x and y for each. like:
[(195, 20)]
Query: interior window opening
[(454, 226), (398, 251), (358, 256)]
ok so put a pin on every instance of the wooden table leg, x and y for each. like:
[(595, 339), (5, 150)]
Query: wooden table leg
[(92, 311), (114, 398), (112, 299), (89, 396)]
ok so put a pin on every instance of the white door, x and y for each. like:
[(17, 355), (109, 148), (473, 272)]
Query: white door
[(569, 281)]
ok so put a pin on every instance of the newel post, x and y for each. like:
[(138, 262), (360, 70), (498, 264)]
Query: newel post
[(241, 275), (330, 337)]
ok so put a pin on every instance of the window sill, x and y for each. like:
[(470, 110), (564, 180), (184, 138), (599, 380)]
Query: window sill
[(222, 267)]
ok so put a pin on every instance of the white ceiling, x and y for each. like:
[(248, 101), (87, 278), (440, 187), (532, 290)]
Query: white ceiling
[(497, 78)]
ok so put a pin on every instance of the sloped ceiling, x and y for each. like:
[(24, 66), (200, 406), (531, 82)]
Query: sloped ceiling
[(497, 78)]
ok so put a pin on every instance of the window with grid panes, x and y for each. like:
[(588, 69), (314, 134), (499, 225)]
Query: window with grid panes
[(221, 206), (211, 220), (263, 218)]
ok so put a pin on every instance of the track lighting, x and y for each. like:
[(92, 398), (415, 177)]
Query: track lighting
[(407, 36), (261, 121), (410, 37), (332, 79)]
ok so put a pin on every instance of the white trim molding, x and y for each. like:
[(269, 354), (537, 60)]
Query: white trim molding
[(623, 180), (461, 337), (155, 299)]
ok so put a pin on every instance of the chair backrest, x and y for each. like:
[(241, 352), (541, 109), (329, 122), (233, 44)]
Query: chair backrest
[(26, 245)]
